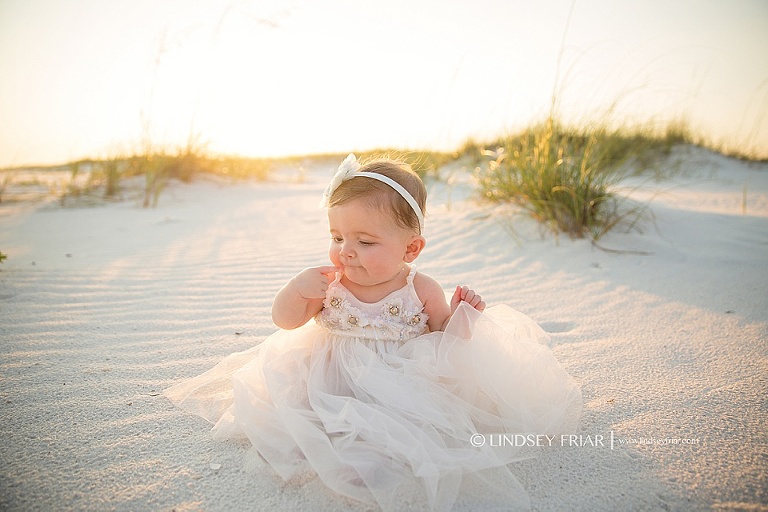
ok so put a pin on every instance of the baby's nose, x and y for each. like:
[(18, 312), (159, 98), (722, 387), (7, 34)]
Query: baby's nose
[(347, 251)]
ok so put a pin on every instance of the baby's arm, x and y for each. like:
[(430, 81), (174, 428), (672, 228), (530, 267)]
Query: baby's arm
[(435, 305), (302, 297)]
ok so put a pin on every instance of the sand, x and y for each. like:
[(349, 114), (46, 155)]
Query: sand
[(103, 307)]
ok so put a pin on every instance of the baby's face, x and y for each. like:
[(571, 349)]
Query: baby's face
[(366, 243)]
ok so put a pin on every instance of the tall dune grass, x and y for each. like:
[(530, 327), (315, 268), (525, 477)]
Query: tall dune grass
[(81, 184), (187, 164), (92, 181), (566, 178), (111, 172), (5, 181)]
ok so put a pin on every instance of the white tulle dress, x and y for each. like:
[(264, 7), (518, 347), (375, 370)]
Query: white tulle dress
[(382, 411)]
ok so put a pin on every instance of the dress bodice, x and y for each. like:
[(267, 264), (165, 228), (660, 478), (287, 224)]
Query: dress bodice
[(398, 316)]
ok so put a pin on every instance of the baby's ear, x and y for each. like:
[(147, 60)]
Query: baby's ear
[(414, 248)]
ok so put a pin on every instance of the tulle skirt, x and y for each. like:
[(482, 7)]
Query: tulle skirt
[(377, 419)]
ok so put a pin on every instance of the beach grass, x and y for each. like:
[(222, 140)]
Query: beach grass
[(5, 181), (567, 177), (92, 181), (111, 172), (81, 183)]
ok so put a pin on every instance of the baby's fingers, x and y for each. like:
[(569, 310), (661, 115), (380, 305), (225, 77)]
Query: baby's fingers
[(327, 269), (313, 282), (479, 304), (473, 299)]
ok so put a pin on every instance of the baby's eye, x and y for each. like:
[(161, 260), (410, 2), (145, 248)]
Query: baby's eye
[(365, 243), (337, 239)]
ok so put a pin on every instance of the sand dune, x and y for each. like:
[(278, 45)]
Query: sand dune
[(102, 308)]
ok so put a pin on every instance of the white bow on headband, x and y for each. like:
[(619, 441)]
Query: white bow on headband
[(348, 170)]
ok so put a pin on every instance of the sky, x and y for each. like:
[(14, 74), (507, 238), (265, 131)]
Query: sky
[(104, 78)]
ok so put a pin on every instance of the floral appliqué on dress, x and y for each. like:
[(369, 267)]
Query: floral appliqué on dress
[(398, 316)]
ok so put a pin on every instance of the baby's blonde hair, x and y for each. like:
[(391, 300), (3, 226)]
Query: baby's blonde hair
[(381, 195)]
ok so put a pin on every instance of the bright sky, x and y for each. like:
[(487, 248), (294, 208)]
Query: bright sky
[(95, 78)]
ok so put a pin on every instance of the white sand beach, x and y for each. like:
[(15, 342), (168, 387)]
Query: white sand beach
[(103, 307)]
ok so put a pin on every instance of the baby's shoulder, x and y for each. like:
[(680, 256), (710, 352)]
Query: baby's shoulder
[(427, 289)]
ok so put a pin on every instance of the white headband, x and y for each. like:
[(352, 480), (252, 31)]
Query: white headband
[(348, 170)]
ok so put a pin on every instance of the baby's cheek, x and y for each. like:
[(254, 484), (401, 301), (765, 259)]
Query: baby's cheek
[(333, 255)]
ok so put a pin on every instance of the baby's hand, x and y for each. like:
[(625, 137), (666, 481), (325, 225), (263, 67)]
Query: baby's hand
[(312, 282), (464, 294)]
